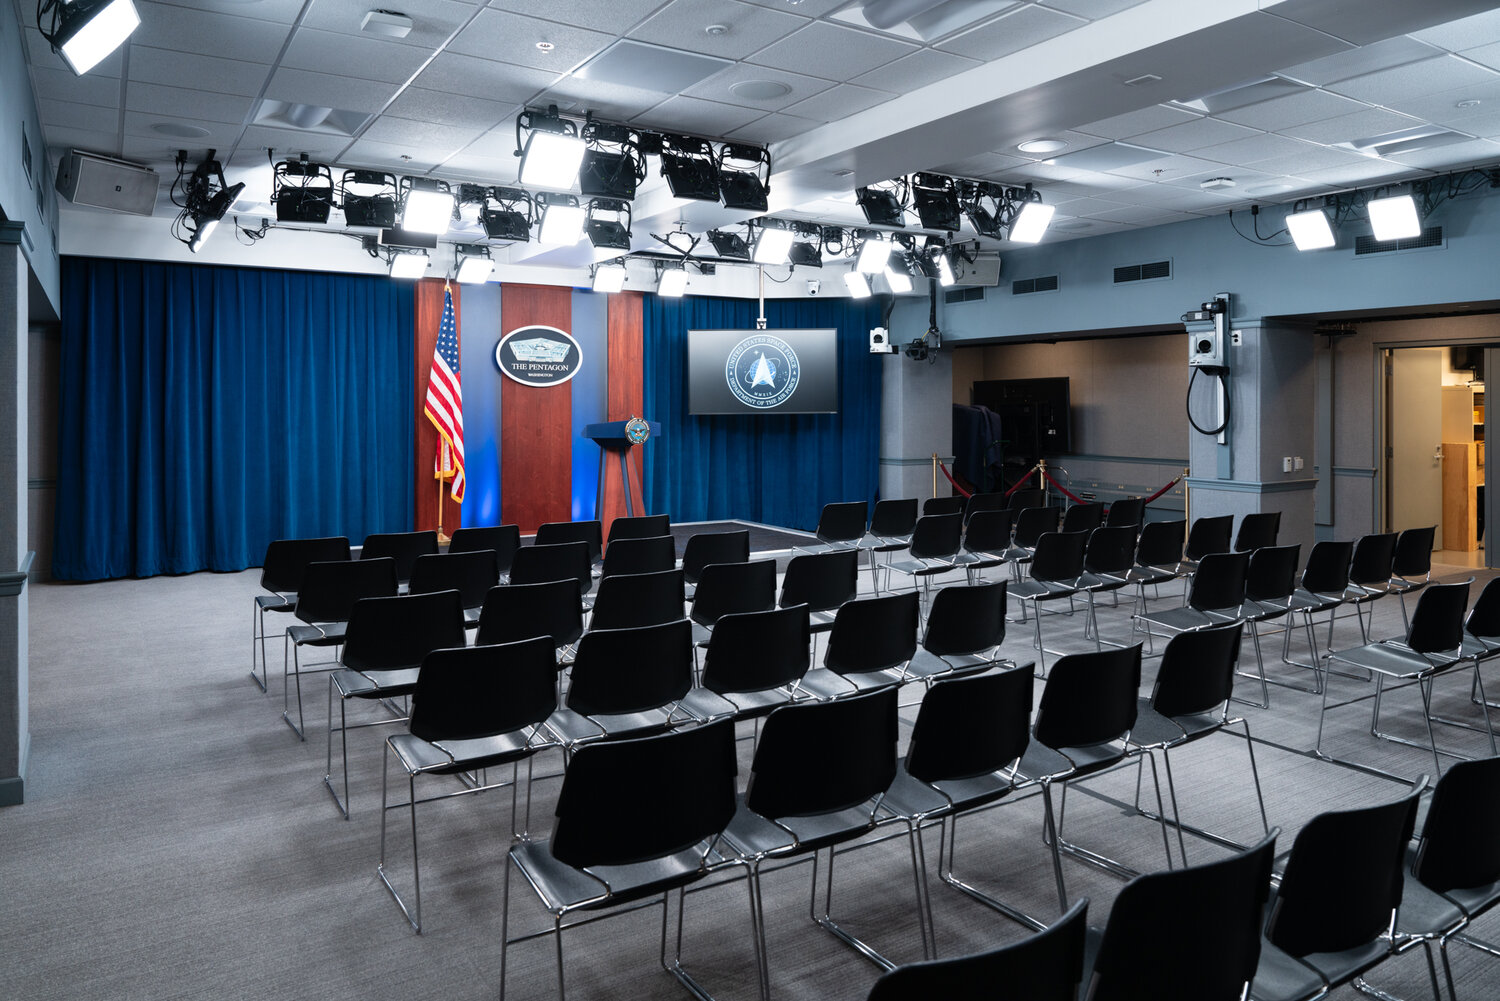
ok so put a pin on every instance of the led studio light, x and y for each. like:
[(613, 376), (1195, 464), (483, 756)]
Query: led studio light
[(1394, 218), (427, 207), (408, 265), (1031, 222), (609, 277), (1310, 230), (858, 285), (773, 246), (86, 31), (673, 283), (874, 255)]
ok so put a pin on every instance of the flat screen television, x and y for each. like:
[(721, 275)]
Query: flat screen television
[(763, 371), (1035, 416)]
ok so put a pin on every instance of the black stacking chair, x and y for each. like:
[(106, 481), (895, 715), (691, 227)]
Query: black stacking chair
[(1331, 917), (1158, 553), (707, 548), (732, 588), (1107, 559), (1188, 935), (1321, 588), (329, 591), (644, 526), (562, 561), (473, 708), (555, 533), (986, 542), (1129, 512), (1030, 497), (503, 539), (1411, 564), (635, 819), (1215, 596), (816, 781), (637, 556), (1190, 701), (822, 582), (515, 612), (1056, 569), (944, 505), (869, 646), (1270, 583), (840, 526), (403, 547), (1432, 646), (934, 548), (1031, 523), (384, 646), (891, 525), (1083, 517), (625, 600), (1257, 530), (1370, 572), (281, 575), (965, 628), (755, 661), (1046, 966), (1482, 632), (1458, 855), (985, 502), (471, 574), (1207, 537)]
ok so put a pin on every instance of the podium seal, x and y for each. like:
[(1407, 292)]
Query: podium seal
[(637, 431)]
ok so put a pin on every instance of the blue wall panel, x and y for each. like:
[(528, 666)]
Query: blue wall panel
[(479, 331), (590, 396)]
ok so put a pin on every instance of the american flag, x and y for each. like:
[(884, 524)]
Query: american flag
[(445, 401)]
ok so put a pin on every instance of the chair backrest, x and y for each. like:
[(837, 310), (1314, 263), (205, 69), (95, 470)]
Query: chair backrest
[(635, 556), (1257, 530), (1484, 617), (707, 548), (1083, 517), (1343, 878), (971, 726), (638, 599), (944, 505), (1110, 550), (985, 502), (1196, 674), (937, 536), (821, 757), (503, 539), (1059, 556), (1029, 497), (631, 670), (1437, 624), (754, 651), (555, 533), (1032, 522), (286, 559), (843, 521), (1460, 844), (471, 574), (330, 589), (682, 782), (966, 619), (821, 581), (465, 693), (643, 526), (1090, 698), (1271, 574), (403, 547), (989, 531), (1373, 557), (1413, 557), (562, 561), (1160, 544), (1209, 535), (1327, 570), (872, 634), (730, 588), (521, 611), (389, 633), (894, 518), (1128, 511), (1045, 966), (1187, 933), (1220, 581)]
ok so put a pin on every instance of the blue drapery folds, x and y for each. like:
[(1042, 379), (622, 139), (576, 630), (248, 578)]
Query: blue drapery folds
[(206, 411), (779, 470)]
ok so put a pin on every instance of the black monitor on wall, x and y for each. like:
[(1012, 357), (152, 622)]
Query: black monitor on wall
[(1034, 413), (763, 372)]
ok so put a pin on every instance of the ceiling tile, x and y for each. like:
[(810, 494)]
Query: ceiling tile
[(1012, 32), (1142, 215), (175, 102), (432, 20), (460, 75), (1078, 207), (446, 109), (839, 102), (496, 144), (367, 152), (1443, 106), (696, 116), (67, 115), (1484, 126), (1360, 125), (720, 87), (1356, 173), (62, 85), (1476, 151), (188, 29), (497, 34), (811, 8), (60, 139), (1193, 135), (749, 27), (1089, 185), (221, 135), (615, 17), (362, 58), (985, 166), (1431, 76), (832, 51), (483, 169), (207, 72), (773, 128), (1466, 32), (1106, 157), (1163, 169), (1485, 55), (1261, 147), (1295, 109), (1134, 123), (1092, 9), (327, 91), (1161, 194), (1311, 158), (923, 67), (1243, 178), (606, 100), (289, 142), (280, 11), (1387, 54), (444, 139)]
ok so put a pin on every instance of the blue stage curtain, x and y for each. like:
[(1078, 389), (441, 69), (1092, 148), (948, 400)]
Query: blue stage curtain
[(206, 411), (779, 470)]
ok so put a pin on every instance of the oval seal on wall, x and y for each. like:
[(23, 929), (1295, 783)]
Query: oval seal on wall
[(539, 356)]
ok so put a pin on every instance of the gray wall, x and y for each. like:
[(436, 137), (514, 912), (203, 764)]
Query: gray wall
[(44, 349), (18, 193)]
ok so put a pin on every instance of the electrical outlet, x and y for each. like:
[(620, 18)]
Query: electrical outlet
[(1286, 464), (1297, 463), (1234, 338)]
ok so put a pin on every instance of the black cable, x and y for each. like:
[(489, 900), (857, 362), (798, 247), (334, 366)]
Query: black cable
[(1224, 380), (1258, 240)]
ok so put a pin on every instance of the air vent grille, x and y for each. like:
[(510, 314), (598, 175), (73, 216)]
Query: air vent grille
[(973, 293), (1150, 271), (1432, 236), (1025, 286)]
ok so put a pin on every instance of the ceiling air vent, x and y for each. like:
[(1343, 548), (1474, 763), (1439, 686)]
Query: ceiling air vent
[(974, 293), (1151, 271), (1025, 286), (1432, 236)]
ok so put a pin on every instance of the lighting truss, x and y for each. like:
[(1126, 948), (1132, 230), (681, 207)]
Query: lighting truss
[(84, 32), (562, 218), (730, 246), (368, 198), (884, 204), (612, 164), (552, 150), (427, 205), (936, 199), (609, 276), (301, 190), (607, 223), (507, 214), (203, 197), (773, 241), (689, 166), (744, 176), (473, 264)]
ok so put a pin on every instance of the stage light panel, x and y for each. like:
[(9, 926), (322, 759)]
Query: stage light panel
[(898, 278), (562, 222), (1394, 218), (730, 246), (1031, 222), (408, 265), (946, 278), (882, 206), (551, 160), (858, 285), (474, 270), (609, 277), (1310, 230), (90, 31), (773, 245), (673, 283), (428, 206), (874, 255)]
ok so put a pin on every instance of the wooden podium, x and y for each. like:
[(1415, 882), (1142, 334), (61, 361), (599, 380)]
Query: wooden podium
[(621, 438)]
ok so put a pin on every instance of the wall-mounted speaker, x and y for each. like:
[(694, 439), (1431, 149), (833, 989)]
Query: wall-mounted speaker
[(102, 182)]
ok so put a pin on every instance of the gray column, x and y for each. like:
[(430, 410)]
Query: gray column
[(916, 420), (15, 736)]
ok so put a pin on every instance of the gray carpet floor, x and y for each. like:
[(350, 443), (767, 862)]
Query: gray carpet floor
[(177, 841)]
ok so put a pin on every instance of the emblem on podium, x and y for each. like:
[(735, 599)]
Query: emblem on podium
[(637, 431)]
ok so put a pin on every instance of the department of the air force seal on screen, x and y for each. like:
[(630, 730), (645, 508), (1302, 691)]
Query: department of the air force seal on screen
[(762, 371)]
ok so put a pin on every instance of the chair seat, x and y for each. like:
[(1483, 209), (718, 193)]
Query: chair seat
[(1425, 914), (885, 543), (1152, 729), (419, 756), (276, 602), (1150, 575), (1100, 582), (375, 684), (829, 547), (1185, 618), (929, 665), (1473, 899), (1479, 647), (821, 622), (1312, 601), (921, 566), (1041, 590), (1087, 760), (1400, 585), (564, 888), (1280, 977), (706, 705), (1042, 762), (701, 634), (822, 683), (1395, 660), (1263, 611), (911, 797), (742, 705), (327, 634), (795, 835), (572, 727)]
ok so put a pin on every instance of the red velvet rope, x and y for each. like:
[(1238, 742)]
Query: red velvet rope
[(1021, 482), (966, 493), (1051, 481), (1164, 489)]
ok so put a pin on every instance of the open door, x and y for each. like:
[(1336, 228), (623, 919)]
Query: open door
[(1413, 438)]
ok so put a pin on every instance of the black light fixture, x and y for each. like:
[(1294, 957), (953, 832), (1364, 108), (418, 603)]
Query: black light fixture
[(883, 204), (507, 214), (612, 164), (551, 151), (204, 197), (688, 164), (606, 221), (936, 200), (983, 203), (744, 176), (368, 198), (301, 190), (730, 246), (807, 247), (84, 32), (1001, 213)]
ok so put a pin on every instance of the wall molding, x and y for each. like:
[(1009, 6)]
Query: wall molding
[(1359, 471), (12, 584), (11, 232), (1062, 460), (1252, 486), (926, 460)]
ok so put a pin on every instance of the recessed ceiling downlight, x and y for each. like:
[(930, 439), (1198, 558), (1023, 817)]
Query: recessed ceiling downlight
[(1043, 145), (179, 131), (759, 90)]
